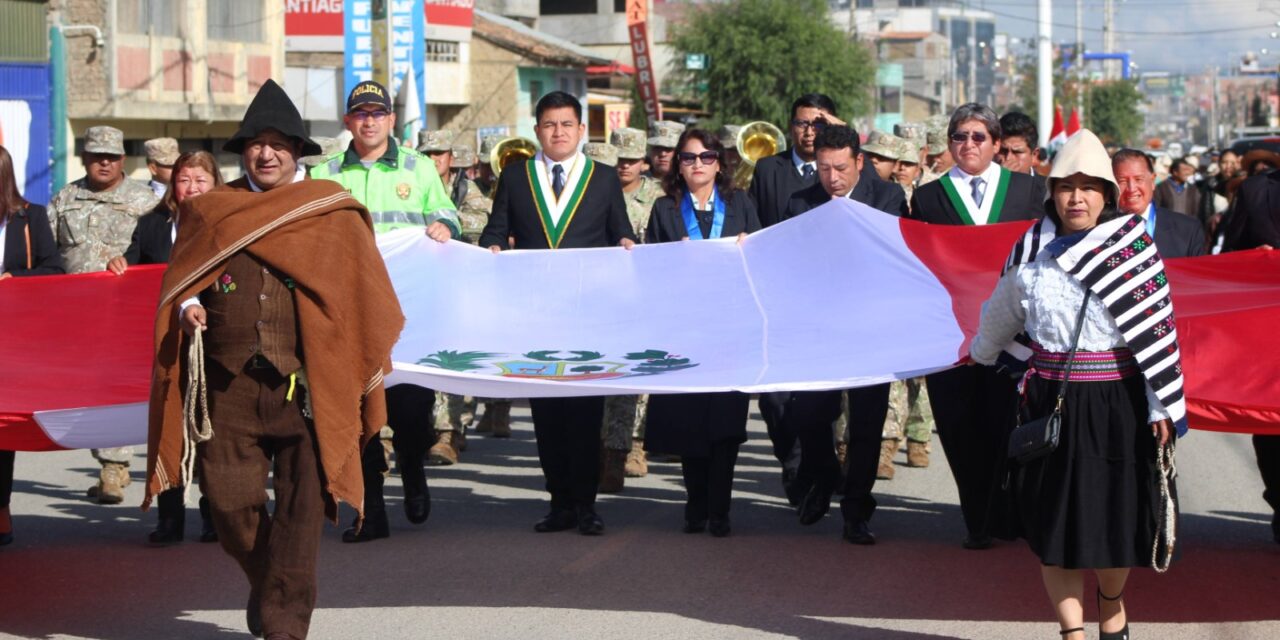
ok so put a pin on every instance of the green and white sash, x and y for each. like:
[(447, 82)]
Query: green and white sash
[(556, 213), (967, 208)]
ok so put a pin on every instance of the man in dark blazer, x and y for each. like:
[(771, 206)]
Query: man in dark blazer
[(1177, 193), (974, 406), (1255, 223), (810, 414), (1176, 235), (774, 180), (560, 199)]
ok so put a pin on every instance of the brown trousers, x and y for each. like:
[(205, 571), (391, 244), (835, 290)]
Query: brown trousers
[(256, 431)]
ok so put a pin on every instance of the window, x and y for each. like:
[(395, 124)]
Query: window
[(442, 51), (619, 6), (149, 16), (236, 20), (566, 7)]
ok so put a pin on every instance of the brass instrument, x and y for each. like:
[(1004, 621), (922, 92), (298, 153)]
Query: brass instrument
[(756, 140), (508, 150)]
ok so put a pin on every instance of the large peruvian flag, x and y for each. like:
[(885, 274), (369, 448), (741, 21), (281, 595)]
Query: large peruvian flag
[(842, 296)]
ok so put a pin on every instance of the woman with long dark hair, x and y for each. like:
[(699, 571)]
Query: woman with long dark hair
[(704, 429), (27, 248), (1088, 288)]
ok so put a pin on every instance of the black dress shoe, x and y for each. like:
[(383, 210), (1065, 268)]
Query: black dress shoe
[(417, 497), (694, 526), (589, 524), (253, 615), (557, 520), (794, 488), (976, 543), (6, 538), (207, 532), (168, 531), (719, 527), (815, 505), (375, 527), (857, 532)]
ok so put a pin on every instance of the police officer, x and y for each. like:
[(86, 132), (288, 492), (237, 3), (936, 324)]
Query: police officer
[(93, 220), (401, 189)]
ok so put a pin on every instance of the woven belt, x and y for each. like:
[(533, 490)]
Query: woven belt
[(1090, 366)]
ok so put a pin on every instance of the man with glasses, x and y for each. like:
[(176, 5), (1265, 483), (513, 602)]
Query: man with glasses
[(560, 199), (774, 181), (93, 220), (401, 189), (974, 406)]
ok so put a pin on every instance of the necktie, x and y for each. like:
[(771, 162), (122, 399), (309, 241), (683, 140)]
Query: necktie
[(557, 179), (807, 172), (977, 190)]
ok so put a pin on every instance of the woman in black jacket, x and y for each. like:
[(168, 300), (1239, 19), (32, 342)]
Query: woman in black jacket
[(704, 429), (27, 248)]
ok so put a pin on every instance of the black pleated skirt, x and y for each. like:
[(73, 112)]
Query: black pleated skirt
[(1094, 502)]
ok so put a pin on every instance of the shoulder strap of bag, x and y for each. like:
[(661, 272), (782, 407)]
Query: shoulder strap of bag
[(1071, 356)]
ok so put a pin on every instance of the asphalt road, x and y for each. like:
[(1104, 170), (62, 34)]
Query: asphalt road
[(476, 569)]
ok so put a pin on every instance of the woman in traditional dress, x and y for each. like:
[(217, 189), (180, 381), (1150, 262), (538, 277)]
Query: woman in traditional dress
[(1101, 501), (704, 429)]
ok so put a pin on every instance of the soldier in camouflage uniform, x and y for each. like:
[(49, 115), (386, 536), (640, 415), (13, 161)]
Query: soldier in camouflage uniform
[(881, 152), (624, 415), (937, 155), (601, 152), (93, 220), (909, 418), (907, 175), (484, 170), (663, 137), (728, 135)]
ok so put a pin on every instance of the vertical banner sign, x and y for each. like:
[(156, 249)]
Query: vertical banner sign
[(646, 83), (400, 49)]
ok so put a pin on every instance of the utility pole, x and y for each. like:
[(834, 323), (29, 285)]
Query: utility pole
[(1109, 36), (1044, 74), (1213, 108), (1080, 58)]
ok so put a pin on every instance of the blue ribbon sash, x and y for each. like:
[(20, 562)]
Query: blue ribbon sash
[(691, 219)]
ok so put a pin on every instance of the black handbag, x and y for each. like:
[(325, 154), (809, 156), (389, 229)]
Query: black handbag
[(1038, 438)]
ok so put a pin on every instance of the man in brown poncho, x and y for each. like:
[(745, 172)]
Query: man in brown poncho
[(280, 279)]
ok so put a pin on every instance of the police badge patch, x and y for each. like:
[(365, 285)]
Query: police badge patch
[(403, 190)]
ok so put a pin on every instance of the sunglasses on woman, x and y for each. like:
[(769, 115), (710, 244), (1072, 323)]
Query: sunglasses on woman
[(964, 136), (707, 157)]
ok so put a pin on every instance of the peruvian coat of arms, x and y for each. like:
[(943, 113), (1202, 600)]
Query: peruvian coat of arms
[(560, 365)]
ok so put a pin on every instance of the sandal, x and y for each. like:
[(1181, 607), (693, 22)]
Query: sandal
[(1122, 634)]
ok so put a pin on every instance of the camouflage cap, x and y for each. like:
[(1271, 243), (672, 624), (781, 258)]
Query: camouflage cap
[(728, 135), (665, 133), (936, 134), (487, 144), (882, 144), (435, 140), (463, 156), (909, 150), (601, 152), (104, 140), (910, 131), (162, 151), (630, 143)]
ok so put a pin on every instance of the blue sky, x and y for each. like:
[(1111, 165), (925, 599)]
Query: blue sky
[(1163, 35)]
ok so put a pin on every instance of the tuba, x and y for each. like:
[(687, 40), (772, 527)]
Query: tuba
[(508, 150), (756, 140)]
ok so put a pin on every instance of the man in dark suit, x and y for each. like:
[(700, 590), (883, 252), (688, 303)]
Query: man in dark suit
[(974, 406), (809, 414), (774, 180), (1176, 235), (1255, 223), (560, 199)]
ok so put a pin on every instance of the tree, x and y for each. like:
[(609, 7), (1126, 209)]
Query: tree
[(763, 54), (1112, 112)]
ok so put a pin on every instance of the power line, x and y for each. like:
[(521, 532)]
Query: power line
[(1139, 34)]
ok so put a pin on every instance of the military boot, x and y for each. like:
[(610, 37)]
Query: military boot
[(111, 481), (637, 465), (501, 423), (888, 447), (612, 470), (445, 451), (917, 454)]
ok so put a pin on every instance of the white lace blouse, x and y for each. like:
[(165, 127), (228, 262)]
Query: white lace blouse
[(1044, 300)]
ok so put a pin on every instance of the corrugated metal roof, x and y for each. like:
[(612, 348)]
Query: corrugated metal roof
[(532, 43)]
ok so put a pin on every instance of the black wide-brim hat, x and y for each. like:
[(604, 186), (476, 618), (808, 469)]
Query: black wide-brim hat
[(272, 109)]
